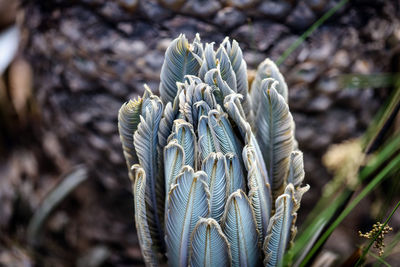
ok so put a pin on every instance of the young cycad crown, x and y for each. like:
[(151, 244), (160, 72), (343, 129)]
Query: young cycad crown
[(215, 167)]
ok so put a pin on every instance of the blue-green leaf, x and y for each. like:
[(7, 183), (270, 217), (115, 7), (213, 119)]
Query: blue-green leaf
[(209, 245), (238, 64), (145, 141), (209, 61), (206, 141), (274, 132), (186, 100), (221, 88), (169, 115), (267, 69), (198, 46), (236, 113), (239, 226), (174, 159), (234, 173), (296, 169), (179, 61), (215, 168), (202, 109), (193, 93), (142, 228), (260, 192), (183, 132), (188, 201), (128, 120), (222, 132), (281, 228), (225, 68)]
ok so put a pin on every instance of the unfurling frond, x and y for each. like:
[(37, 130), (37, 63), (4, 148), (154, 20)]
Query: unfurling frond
[(273, 122), (209, 245), (188, 201), (239, 226), (145, 239), (180, 60), (218, 176), (128, 120)]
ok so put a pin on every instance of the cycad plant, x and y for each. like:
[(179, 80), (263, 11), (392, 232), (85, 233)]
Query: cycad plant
[(215, 167)]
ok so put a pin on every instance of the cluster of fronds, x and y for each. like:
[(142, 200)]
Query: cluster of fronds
[(215, 167)]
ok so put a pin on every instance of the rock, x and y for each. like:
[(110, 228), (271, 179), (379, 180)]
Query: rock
[(320, 141), (242, 4), (299, 96), (306, 72), (76, 82), (129, 5), (172, 4), (190, 26), (126, 28), (163, 44), (329, 83), (126, 47), (284, 44), (253, 58), (201, 8), (274, 9), (378, 29), (114, 12), (70, 28), (341, 59), (317, 5), (322, 46), (301, 17), (339, 124), (351, 38), (229, 17), (362, 66), (320, 104), (105, 127), (154, 59), (260, 35), (154, 11), (304, 134), (95, 257)]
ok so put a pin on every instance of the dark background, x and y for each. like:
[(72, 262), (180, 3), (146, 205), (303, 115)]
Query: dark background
[(77, 63)]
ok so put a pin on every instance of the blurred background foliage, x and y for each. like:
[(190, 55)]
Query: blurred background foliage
[(67, 66)]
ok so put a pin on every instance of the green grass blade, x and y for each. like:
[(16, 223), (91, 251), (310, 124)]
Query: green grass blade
[(382, 122), (326, 209), (309, 235), (365, 251), (309, 31), (380, 259), (391, 246), (57, 194), (372, 185)]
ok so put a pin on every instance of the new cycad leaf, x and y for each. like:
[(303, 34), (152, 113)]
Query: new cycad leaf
[(145, 140), (128, 120), (274, 131), (282, 229), (180, 60), (145, 240), (215, 168), (268, 69), (239, 226), (214, 160), (209, 245), (188, 201)]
